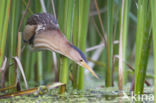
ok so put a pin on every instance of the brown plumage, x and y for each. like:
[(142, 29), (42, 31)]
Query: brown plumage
[(42, 32), (38, 23)]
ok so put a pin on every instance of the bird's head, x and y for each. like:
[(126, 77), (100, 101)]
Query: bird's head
[(76, 55)]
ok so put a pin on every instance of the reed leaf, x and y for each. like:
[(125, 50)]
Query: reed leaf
[(123, 42), (143, 40), (39, 68), (83, 27), (4, 19), (75, 39), (66, 25), (153, 12), (13, 35), (109, 47)]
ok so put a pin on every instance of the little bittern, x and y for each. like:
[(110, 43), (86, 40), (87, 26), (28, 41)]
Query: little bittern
[(42, 32)]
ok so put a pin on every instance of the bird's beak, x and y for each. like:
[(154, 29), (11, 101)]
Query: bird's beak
[(84, 64)]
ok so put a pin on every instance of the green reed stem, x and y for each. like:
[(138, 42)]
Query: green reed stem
[(67, 30), (75, 41), (4, 19), (13, 34), (19, 44), (153, 9), (40, 68), (143, 40), (83, 28), (125, 34), (109, 47)]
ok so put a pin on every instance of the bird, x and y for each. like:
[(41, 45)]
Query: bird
[(42, 32)]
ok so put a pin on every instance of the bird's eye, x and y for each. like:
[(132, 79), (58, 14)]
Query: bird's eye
[(81, 60)]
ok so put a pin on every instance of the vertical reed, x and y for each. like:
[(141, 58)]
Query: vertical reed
[(109, 47), (66, 25), (13, 35), (153, 12), (123, 41), (5, 6), (143, 40), (4, 19), (39, 68), (75, 39), (83, 28)]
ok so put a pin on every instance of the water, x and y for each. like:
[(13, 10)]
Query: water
[(100, 95)]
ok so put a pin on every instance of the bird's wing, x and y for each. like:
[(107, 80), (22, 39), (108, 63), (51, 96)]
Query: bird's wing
[(37, 23), (29, 31)]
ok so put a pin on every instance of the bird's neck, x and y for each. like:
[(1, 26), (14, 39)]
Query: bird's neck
[(52, 40)]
